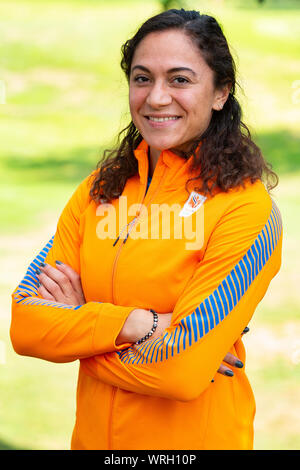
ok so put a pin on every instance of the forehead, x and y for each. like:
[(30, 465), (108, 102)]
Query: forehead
[(167, 49)]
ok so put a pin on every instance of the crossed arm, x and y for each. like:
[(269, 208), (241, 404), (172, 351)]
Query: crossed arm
[(53, 322), (62, 284)]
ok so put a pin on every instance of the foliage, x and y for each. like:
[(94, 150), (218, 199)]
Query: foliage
[(167, 4)]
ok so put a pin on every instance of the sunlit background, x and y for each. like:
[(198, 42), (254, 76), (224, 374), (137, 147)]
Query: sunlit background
[(63, 99)]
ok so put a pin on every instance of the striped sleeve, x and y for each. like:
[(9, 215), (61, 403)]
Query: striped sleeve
[(55, 331), (217, 305), (27, 291), (242, 257)]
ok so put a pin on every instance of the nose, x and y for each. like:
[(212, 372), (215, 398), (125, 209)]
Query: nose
[(158, 96)]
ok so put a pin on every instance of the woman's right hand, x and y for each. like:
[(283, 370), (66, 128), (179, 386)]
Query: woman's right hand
[(231, 360), (164, 321), (139, 323)]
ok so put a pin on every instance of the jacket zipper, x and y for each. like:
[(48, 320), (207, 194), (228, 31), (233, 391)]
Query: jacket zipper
[(117, 239), (131, 224), (136, 218)]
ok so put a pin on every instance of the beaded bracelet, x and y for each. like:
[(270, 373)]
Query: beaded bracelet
[(155, 322)]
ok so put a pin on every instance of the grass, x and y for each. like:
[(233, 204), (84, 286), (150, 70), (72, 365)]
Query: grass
[(66, 99), (39, 411)]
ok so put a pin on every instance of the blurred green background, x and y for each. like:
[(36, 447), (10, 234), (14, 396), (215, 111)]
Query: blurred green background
[(63, 100)]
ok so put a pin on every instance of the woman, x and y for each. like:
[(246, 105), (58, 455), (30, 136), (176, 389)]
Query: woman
[(150, 288)]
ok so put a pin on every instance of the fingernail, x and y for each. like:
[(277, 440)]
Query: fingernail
[(39, 284), (38, 271), (42, 264), (229, 373), (212, 380), (239, 364), (246, 330), (58, 262)]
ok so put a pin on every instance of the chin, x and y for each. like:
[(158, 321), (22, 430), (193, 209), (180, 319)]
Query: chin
[(161, 144)]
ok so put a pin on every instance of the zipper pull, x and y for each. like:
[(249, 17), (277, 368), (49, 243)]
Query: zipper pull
[(131, 227), (116, 241), (125, 239)]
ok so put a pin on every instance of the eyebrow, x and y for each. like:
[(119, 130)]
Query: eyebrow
[(174, 69)]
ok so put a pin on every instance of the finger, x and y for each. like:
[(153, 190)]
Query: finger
[(233, 360), (225, 371), (60, 279), (45, 294), (72, 275), (51, 287)]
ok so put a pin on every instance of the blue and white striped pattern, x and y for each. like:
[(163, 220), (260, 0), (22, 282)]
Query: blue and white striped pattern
[(195, 199), (212, 310), (26, 294)]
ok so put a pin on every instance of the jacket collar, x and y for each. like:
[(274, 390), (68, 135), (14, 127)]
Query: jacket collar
[(178, 171)]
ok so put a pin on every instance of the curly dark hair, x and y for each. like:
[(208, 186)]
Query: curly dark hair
[(227, 155)]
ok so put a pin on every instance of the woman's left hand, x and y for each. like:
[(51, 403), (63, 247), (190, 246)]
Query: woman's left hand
[(61, 284), (64, 285)]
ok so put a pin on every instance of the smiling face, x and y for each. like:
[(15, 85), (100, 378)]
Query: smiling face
[(171, 90)]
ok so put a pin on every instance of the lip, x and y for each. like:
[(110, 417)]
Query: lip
[(163, 124)]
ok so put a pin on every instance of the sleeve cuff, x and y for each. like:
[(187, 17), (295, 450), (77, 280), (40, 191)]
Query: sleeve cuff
[(109, 323)]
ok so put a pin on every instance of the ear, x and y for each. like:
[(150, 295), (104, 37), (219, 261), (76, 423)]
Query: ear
[(221, 95)]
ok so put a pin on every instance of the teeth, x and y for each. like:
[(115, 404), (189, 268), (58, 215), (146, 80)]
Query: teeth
[(155, 119)]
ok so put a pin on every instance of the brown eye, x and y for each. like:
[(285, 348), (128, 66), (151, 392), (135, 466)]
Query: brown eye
[(140, 79), (181, 80)]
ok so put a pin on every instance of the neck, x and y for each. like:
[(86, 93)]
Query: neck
[(153, 158)]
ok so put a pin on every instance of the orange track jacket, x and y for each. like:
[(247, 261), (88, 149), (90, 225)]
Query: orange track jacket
[(159, 394)]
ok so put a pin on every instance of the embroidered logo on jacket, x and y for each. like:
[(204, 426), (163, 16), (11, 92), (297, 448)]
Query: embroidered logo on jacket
[(193, 203)]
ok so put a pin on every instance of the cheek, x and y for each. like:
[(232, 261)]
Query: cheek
[(199, 107), (136, 100), (196, 104)]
